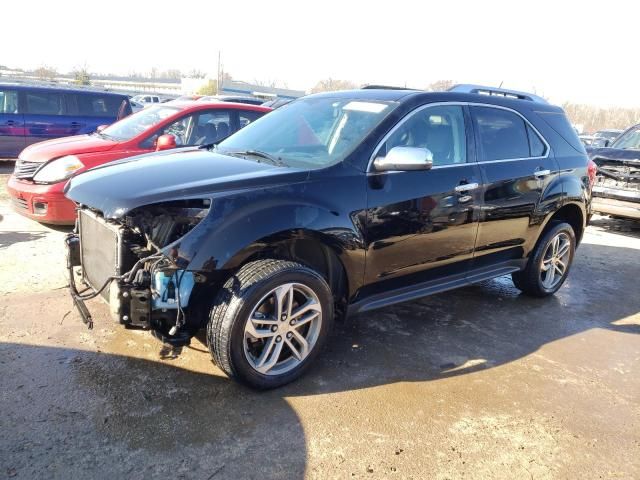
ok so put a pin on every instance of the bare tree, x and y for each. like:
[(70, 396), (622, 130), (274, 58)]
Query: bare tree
[(81, 75), (46, 73), (331, 84), (195, 73), (594, 118), (440, 85)]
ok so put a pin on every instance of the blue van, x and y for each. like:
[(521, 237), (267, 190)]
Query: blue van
[(30, 114)]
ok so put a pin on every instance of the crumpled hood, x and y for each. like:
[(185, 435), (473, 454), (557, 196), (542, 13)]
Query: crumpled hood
[(607, 153), (116, 188), (59, 147)]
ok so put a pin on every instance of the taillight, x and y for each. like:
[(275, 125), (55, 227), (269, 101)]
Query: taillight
[(592, 170)]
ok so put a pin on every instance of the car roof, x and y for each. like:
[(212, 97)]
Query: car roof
[(58, 88), (203, 105), (403, 95)]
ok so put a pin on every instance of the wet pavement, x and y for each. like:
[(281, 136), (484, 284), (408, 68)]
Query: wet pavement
[(476, 383)]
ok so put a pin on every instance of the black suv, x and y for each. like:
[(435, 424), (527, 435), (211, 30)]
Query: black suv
[(335, 204)]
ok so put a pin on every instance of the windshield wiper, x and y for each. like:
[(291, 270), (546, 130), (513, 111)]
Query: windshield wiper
[(257, 153)]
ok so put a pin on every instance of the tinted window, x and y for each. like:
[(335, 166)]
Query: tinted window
[(8, 101), (536, 147), (560, 123), (439, 129), (503, 134), (96, 105), (45, 103)]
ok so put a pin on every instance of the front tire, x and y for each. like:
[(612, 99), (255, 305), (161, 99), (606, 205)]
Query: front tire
[(549, 263), (269, 322)]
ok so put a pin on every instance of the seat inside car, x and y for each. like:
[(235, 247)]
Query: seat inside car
[(223, 130)]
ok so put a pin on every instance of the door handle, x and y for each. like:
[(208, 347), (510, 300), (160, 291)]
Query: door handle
[(541, 173), (465, 187), (11, 122)]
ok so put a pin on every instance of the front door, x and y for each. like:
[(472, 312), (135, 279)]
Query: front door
[(423, 223)]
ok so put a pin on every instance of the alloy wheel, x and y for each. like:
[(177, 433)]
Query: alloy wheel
[(282, 329), (555, 261)]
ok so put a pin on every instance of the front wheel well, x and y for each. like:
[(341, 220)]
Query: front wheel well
[(571, 214), (316, 255)]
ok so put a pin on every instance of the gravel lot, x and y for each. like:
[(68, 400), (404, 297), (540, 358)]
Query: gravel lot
[(475, 383)]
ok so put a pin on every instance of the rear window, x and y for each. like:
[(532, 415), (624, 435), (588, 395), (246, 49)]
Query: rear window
[(560, 123)]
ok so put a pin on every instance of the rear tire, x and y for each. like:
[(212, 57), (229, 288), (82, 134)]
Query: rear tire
[(549, 263), (269, 322)]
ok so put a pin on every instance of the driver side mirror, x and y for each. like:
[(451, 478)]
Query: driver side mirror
[(165, 142), (404, 158)]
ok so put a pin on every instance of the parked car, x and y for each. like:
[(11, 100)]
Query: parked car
[(135, 106), (232, 98), (146, 100), (30, 114), (42, 169), (617, 188), (586, 139), (338, 204), (604, 138), (277, 102)]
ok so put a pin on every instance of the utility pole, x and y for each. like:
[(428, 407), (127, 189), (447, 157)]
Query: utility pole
[(219, 75)]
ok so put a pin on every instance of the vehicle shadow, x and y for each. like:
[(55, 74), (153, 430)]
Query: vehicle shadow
[(69, 413), (620, 226), (477, 327), (137, 418), (9, 238)]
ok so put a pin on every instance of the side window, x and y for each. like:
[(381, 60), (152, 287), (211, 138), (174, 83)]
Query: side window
[(503, 134), (45, 103), (248, 116), (441, 129), (8, 101), (212, 127), (92, 105), (536, 147), (182, 129)]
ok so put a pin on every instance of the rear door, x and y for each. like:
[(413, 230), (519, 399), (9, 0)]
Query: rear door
[(518, 168), (12, 135)]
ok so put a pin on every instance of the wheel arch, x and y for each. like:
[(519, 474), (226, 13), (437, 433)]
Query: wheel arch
[(321, 252)]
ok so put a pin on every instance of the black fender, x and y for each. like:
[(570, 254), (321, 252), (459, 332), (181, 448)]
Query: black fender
[(242, 224)]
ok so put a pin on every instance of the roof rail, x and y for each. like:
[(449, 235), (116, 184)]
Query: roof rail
[(495, 91), (385, 87), (65, 85)]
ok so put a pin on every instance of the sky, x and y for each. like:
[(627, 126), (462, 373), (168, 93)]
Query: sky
[(582, 52)]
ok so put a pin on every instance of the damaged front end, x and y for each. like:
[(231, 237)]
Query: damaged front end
[(133, 264), (617, 187)]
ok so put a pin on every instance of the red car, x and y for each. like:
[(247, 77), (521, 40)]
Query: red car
[(42, 169)]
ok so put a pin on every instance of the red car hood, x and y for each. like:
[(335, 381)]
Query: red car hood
[(59, 147)]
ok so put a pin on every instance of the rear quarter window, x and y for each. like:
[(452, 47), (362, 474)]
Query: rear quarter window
[(99, 105), (559, 122)]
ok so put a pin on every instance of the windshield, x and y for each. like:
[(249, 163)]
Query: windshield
[(311, 132), (139, 122), (628, 141)]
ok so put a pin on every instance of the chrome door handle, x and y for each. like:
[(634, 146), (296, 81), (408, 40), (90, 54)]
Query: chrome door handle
[(465, 187), (542, 173)]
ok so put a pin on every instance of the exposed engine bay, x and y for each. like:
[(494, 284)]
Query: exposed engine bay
[(133, 264), (618, 174)]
